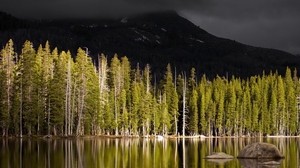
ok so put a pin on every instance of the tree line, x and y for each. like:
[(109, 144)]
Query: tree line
[(44, 92)]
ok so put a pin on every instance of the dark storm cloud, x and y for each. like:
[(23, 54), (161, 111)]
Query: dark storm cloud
[(265, 23), (81, 8)]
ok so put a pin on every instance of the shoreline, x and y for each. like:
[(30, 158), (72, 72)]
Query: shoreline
[(157, 137)]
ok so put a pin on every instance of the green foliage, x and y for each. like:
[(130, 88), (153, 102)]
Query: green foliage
[(45, 92)]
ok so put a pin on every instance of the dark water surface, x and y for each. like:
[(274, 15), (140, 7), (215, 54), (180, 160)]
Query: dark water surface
[(136, 153)]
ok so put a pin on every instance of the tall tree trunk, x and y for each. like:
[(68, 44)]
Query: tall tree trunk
[(175, 115), (183, 105), (68, 100), (48, 118), (116, 112), (21, 107)]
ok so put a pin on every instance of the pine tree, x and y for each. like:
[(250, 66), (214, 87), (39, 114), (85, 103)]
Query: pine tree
[(171, 97), (27, 72), (203, 95), (7, 65), (193, 104), (247, 117), (281, 106), (103, 89), (297, 91), (219, 98), (39, 85), (146, 101), (255, 98), (156, 116), (230, 108), (116, 88), (47, 71), (68, 95), (291, 96), (265, 115), (273, 109), (184, 108), (125, 94), (238, 117), (193, 117), (57, 95), (135, 104), (81, 65), (92, 101), (165, 115)]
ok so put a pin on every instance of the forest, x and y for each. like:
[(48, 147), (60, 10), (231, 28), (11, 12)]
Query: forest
[(51, 92)]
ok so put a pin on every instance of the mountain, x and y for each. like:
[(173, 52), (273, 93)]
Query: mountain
[(154, 38)]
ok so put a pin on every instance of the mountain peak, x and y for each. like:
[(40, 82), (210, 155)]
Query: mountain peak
[(156, 38)]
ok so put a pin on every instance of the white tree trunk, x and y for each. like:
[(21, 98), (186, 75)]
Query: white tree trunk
[(184, 105)]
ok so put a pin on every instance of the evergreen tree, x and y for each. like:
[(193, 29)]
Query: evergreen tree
[(156, 116), (273, 109), (193, 104), (255, 98), (239, 116), (57, 94), (281, 106), (291, 104), (171, 97), (230, 108), (193, 117), (246, 109), (103, 90), (7, 65), (81, 68), (38, 86), (165, 115), (265, 115), (125, 94), (219, 98), (27, 73), (146, 101), (92, 101), (116, 88), (203, 95), (135, 105)]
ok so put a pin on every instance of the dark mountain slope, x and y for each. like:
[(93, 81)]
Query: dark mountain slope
[(156, 38)]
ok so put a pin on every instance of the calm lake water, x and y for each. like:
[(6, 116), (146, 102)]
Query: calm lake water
[(135, 153)]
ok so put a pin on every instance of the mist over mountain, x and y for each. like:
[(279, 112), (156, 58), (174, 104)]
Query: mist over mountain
[(156, 38)]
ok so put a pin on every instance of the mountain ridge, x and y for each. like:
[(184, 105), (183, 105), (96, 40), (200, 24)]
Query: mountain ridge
[(155, 38)]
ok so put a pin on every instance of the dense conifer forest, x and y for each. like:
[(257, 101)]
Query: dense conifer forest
[(47, 92)]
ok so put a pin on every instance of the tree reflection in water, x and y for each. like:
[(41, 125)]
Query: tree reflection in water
[(136, 152)]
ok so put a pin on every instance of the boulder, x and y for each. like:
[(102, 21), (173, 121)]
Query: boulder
[(219, 155), (260, 151)]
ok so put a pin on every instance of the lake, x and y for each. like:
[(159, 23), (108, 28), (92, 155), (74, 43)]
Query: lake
[(135, 153)]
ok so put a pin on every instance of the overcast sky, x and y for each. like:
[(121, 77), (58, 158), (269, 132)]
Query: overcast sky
[(263, 23)]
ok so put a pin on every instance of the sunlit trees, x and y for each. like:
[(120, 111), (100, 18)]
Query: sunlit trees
[(27, 73), (171, 98), (58, 93), (281, 106), (103, 91), (193, 104), (290, 103), (47, 92), (7, 64)]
